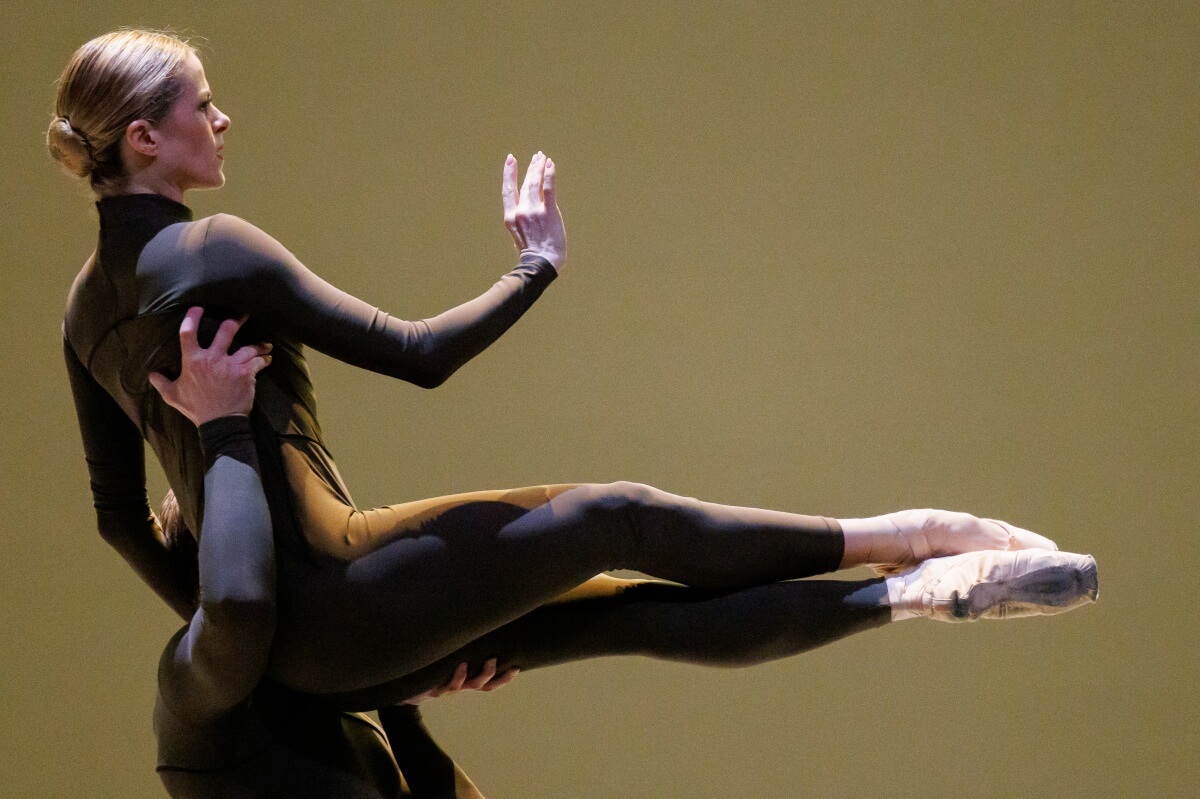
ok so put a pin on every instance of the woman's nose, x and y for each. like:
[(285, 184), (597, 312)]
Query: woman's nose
[(222, 122)]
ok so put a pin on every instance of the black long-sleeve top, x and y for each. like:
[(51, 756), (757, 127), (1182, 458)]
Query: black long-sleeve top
[(122, 318)]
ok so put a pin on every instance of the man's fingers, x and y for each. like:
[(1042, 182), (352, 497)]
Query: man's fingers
[(460, 677), (258, 363), (225, 334), (247, 353), (508, 185), (484, 676), (501, 681), (161, 384), (548, 184), (188, 328), (419, 698), (531, 190)]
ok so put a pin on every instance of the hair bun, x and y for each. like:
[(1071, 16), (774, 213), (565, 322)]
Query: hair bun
[(69, 147)]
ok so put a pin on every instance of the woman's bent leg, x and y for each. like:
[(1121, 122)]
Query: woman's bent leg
[(463, 565), (671, 622)]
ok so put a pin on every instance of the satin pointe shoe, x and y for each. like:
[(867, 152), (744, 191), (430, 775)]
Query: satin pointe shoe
[(930, 533), (995, 584)]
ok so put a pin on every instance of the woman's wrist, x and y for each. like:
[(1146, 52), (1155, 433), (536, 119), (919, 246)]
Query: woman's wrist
[(538, 258)]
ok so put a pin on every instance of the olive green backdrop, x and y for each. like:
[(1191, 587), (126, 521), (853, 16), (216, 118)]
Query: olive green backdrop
[(833, 258)]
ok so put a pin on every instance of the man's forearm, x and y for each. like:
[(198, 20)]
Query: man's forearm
[(429, 771)]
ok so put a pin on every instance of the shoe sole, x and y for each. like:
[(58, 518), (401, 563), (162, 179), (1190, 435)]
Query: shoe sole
[(1044, 592)]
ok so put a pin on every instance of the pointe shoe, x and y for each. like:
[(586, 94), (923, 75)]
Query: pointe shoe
[(995, 585), (1020, 538), (932, 533)]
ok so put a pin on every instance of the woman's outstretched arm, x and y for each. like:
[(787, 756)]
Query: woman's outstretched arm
[(247, 271)]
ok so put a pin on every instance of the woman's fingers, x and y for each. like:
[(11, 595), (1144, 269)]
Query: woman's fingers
[(531, 191), (508, 186), (535, 222), (548, 184), (537, 188)]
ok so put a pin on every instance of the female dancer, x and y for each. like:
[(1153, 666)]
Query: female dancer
[(222, 732), (368, 597)]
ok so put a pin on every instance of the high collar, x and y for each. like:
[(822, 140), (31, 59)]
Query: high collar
[(119, 208)]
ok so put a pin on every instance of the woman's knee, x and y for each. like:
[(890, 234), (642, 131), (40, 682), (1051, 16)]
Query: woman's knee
[(619, 497)]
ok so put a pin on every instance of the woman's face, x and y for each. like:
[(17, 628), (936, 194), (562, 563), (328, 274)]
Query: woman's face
[(192, 134)]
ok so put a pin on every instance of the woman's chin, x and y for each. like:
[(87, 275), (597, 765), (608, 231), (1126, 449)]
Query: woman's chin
[(216, 182)]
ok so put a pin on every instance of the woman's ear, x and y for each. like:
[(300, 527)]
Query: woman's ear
[(142, 138)]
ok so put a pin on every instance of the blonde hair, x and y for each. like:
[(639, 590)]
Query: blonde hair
[(109, 82)]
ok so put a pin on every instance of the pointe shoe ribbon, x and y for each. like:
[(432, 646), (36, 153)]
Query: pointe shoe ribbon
[(918, 547), (1020, 538)]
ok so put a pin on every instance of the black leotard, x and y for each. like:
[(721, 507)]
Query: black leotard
[(365, 597), (152, 262)]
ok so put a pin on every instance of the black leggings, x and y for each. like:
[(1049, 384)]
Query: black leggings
[(447, 572), (733, 628)]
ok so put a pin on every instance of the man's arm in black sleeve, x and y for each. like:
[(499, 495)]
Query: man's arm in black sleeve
[(429, 771), (223, 653)]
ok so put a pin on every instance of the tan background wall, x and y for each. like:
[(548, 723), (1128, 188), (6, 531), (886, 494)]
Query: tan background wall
[(829, 258)]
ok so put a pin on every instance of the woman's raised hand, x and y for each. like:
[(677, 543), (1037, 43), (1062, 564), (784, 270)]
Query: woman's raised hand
[(532, 215), (212, 383)]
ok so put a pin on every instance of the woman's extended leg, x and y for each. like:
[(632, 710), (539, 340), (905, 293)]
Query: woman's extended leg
[(452, 569), (456, 568), (743, 627), (607, 616)]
